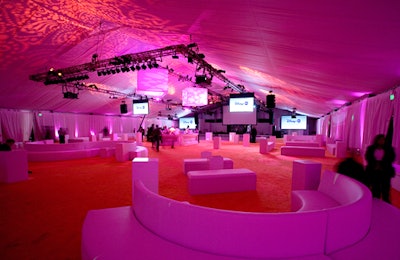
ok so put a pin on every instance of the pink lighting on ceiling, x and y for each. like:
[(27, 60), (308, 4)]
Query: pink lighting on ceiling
[(266, 79), (171, 89), (359, 94), (338, 101), (152, 81), (194, 97)]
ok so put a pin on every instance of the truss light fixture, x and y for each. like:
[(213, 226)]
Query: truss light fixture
[(144, 66), (175, 57), (137, 67)]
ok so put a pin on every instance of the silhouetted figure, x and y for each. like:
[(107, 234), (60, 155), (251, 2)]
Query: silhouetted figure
[(150, 134), (253, 134), (7, 146), (380, 157), (105, 131), (61, 135), (352, 168), (157, 137)]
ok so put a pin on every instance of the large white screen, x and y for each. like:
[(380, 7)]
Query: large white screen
[(241, 104), (184, 122), (235, 118), (141, 108), (193, 97), (300, 122)]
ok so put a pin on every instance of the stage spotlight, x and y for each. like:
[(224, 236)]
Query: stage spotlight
[(137, 67), (104, 72), (155, 65), (143, 67), (149, 65), (175, 56), (117, 70), (132, 68)]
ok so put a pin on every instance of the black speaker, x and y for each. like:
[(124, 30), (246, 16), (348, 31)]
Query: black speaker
[(270, 101), (124, 108)]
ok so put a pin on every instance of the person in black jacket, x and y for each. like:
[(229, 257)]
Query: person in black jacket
[(352, 168), (380, 157)]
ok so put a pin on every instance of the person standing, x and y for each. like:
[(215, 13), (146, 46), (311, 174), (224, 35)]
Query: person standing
[(380, 157), (7, 146), (253, 134), (61, 135), (157, 134)]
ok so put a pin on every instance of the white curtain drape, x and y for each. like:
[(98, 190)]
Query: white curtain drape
[(379, 110), (354, 125), (338, 119), (16, 124)]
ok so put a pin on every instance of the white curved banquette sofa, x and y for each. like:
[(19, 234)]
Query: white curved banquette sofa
[(38, 152), (313, 231)]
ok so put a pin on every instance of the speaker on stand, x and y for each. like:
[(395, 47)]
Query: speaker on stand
[(124, 108), (270, 101)]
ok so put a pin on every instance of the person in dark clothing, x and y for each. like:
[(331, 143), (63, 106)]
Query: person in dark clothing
[(7, 146), (150, 133), (157, 137), (253, 134), (380, 156), (352, 168), (61, 135)]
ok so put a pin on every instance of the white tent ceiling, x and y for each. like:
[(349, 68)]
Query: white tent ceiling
[(314, 55)]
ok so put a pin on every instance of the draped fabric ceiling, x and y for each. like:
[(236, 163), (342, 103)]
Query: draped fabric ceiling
[(314, 55)]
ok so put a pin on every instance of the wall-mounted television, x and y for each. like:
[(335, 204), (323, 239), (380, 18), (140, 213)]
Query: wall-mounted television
[(243, 102), (295, 123), (140, 107), (184, 122)]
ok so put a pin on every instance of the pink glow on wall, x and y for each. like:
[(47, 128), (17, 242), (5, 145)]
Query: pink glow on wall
[(194, 97), (76, 131), (362, 120), (92, 132)]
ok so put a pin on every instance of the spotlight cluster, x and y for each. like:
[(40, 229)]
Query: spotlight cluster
[(127, 68)]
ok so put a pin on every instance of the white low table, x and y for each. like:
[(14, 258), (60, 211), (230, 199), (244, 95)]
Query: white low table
[(219, 181), (201, 164)]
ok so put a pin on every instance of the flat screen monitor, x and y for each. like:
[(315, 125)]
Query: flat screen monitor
[(184, 122), (140, 107), (241, 102), (295, 123)]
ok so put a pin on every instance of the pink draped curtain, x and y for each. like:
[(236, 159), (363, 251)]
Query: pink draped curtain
[(396, 123), (379, 110), (354, 125), (338, 120), (16, 124)]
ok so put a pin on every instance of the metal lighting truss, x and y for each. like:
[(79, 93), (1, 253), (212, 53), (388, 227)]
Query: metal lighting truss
[(80, 72)]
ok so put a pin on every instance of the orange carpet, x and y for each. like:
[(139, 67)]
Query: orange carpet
[(42, 218)]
